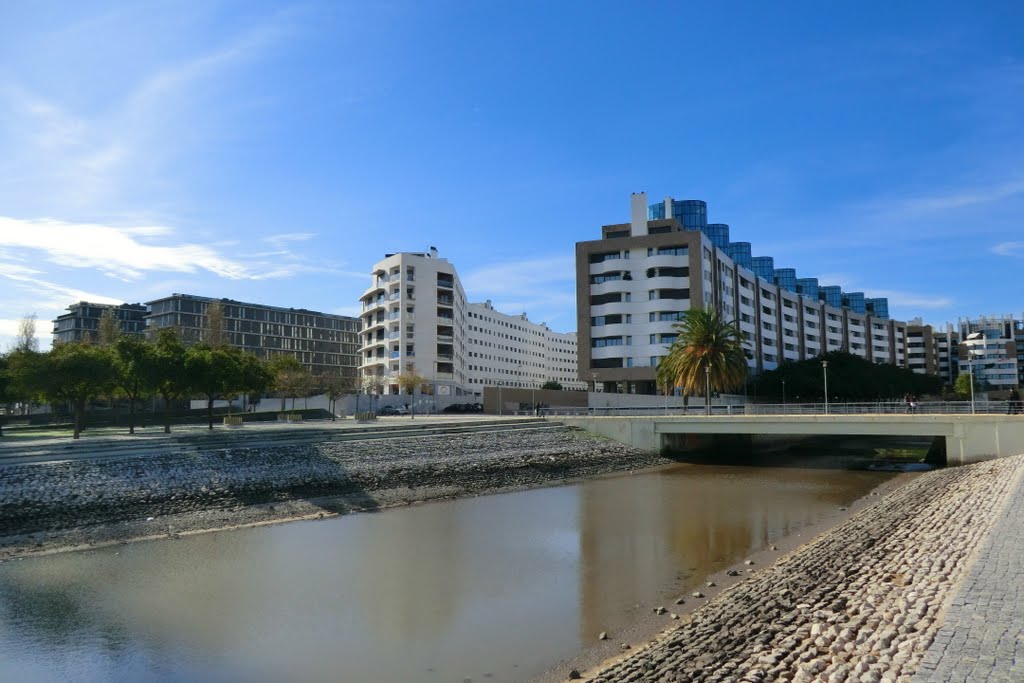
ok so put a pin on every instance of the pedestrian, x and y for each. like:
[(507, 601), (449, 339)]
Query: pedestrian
[(913, 404), (909, 401), (1014, 407)]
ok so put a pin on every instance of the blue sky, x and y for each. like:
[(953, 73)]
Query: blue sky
[(272, 152)]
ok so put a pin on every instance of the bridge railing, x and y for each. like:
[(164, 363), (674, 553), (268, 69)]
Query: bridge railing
[(844, 408)]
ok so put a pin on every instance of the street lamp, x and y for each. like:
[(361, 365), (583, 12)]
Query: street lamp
[(707, 389), (783, 396), (971, 354), (824, 370), (499, 397)]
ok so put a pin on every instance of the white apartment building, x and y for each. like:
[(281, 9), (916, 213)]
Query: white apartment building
[(512, 351), (635, 282), (416, 319)]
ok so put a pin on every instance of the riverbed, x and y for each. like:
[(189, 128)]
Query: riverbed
[(494, 588)]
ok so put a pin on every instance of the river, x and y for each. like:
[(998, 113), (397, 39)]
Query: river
[(495, 588)]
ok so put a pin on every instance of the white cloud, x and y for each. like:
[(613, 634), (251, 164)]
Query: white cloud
[(115, 251), (543, 288), (1008, 249)]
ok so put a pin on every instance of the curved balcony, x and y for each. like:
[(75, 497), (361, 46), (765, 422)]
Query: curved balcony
[(372, 325), (378, 286), (613, 286), (664, 261)]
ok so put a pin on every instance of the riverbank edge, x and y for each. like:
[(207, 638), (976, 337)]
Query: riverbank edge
[(604, 653), (653, 648), (220, 519)]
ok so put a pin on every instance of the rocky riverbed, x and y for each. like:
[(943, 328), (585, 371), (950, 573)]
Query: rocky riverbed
[(53, 505), (861, 603)]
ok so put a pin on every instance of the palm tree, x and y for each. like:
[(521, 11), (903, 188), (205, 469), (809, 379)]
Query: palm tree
[(707, 350)]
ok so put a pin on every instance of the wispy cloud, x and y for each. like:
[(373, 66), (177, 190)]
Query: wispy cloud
[(544, 288), (1008, 249)]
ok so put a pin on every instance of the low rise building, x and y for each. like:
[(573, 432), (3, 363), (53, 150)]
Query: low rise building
[(82, 321), (324, 343)]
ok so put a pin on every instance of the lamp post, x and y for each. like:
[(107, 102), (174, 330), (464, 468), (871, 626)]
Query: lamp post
[(824, 370), (499, 397), (971, 354), (707, 389), (783, 396)]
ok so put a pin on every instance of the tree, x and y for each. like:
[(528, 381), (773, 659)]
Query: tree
[(334, 387), (291, 378), (850, 378), (25, 340), (255, 376), (168, 375), (408, 381), (213, 372), (552, 385), (109, 329), (962, 386), (75, 372), (708, 351), (134, 366), (216, 330)]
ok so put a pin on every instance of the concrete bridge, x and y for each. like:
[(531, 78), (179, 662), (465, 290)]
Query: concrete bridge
[(969, 438)]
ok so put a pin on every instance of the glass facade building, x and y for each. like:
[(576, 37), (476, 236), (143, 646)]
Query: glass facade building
[(719, 234), (739, 252), (855, 301), (831, 295), (763, 267), (878, 307), (786, 278), (808, 287)]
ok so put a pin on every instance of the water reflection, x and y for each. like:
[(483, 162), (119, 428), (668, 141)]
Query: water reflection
[(502, 585)]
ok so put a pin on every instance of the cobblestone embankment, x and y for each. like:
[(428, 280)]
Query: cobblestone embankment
[(861, 603), (67, 503)]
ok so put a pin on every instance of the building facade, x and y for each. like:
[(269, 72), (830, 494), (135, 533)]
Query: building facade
[(82, 321), (992, 348), (323, 343), (635, 282), (416, 319)]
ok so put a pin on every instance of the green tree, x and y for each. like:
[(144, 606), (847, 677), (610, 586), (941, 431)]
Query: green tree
[(213, 372), (168, 375), (255, 376), (707, 350), (850, 378), (408, 382), (109, 329), (962, 386), (134, 366), (75, 372), (551, 385)]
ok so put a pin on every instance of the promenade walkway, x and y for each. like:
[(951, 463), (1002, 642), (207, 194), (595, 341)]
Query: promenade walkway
[(982, 638)]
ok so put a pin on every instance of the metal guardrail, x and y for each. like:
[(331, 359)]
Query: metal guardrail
[(866, 408)]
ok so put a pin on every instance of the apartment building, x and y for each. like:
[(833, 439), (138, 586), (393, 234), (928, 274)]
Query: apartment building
[(416, 319), (324, 343), (992, 347), (82, 321), (933, 351), (635, 282)]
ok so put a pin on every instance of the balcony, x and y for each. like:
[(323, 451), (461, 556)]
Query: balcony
[(445, 301), (395, 354), (445, 357), (445, 339), (445, 282)]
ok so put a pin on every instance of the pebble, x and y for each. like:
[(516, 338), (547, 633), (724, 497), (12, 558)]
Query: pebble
[(858, 604)]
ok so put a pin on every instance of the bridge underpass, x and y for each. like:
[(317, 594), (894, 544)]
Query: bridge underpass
[(968, 438)]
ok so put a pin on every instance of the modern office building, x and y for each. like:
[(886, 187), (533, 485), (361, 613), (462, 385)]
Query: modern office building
[(416, 319), (634, 283), (82, 321), (932, 351), (324, 343)]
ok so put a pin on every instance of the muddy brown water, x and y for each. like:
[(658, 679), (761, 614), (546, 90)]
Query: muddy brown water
[(494, 588)]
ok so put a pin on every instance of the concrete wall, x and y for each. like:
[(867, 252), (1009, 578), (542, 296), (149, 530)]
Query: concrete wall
[(969, 438)]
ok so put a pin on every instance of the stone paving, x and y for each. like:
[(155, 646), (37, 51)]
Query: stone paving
[(864, 602), (982, 638)]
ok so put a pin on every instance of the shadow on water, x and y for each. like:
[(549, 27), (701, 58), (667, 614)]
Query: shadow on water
[(847, 452)]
